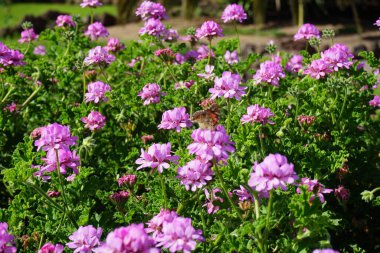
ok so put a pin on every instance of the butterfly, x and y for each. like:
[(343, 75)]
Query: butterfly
[(207, 118)]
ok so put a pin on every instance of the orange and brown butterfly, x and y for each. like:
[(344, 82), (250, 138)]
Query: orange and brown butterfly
[(207, 118)]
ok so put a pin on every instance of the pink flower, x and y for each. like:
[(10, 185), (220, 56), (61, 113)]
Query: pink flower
[(98, 56), (90, 3), (294, 64), (153, 27), (28, 35), (243, 194), (209, 69), (175, 119), (96, 30), (257, 114), (53, 194), (51, 248), (55, 136), (179, 235), (6, 239), (272, 173), (114, 45), (156, 223), (171, 35), (306, 120), (231, 57), (94, 121), (65, 20), (338, 56), (158, 156), (318, 189), (184, 84), (128, 179), (120, 196), (234, 12), (195, 174), (66, 158), (85, 239), (96, 91), (342, 193), (39, 50), (146, 138), (149, 9), (12, 107), (151, 93), (307, 31), (375, 102), (227, 86), (325, 251), (211, 198), (377, 23), (318, 69), (10, 57), (269, 72), (209, 30)]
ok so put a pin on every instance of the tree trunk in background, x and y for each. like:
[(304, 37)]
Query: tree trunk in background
[(358, 25), (301, 16), (259, 12), (294, 10), (124, 10), (188, 8)]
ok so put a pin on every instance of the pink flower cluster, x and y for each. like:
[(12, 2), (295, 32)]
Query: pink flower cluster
[(99, 56), (28, 35), (151, 94), (153, 10), (294, 64), (96, 92), (184, 84), (91, 3), (227, 86), (318, 69), (211, 198), (158, 156), (377, 23), (51, 248), (10, 57), (316, 188), (272, 173), (128, 179), (325, 251), (114, 45), (94, 121), (153, 27), (119, 197), (269, 72), (375, 102), (234, 12), (231, 57), (307, 31), (306, 120), (85, 239), (195, 174), (175, 119), (96, 30), (209, 30), (39, 50), (65, 20), (6, 239), (257, 114)]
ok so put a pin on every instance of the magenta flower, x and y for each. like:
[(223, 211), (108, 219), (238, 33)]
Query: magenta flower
[(306, 120), (53, 194), (234, 12), (272, 173), (119, 197), (151, 94), (211, 144), (131, 239), (55, 136), (6, 240), (209, 30), (65, 21), (153, 27), (28, 35), (342, 193), (269, 72), (307, 31), (294, 64), (243, 194), (257, 114), (338, 56), (375, 102), (184, 84), (227, 86), (179, 235), (51, 248), (316, 188), (85, 239), (10, 57), (211, 198), (12, 107), (96, 30), (149, 9), (156, 223), (377, 23), (325, 251), (96, 91), (231, 57), (94, 121), (66, 158), (202, 52), (128, 179), (114, 45), (91, 3), (39, 50), (171, 35), (195, 174), (98, 56), (318, 69), (175, 119), (158, 156), (209, 69)]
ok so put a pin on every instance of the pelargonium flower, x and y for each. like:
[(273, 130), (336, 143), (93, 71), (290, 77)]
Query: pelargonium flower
[(6, 239), (227, 86), (99, 55), (338, 56), (318, 189), (96, 91), (114, 45), (171, 35), (307, 31), (203, 52), (158, 156), (325, 251), (179, 235), (195, 174), (209, 69), (231, 57), (53, 194), (148, 9), (209, 30), (65, 20), (234, 12), (131, 239), (294, 64), (377, 23), (318, 69), (147, 138), (243, 194), (28, 35), (96, 30), (51, 248), (211, 198), (375, 102), (151, 94), (156, 223), (128, 179), (15, 58), (211, 144), (55, 136), (85, 239), (175, 119), (257, 114), (39, 50), (306, 120), (153, 27), (67, 159), (342, 193), (120, 196), (94, 121), (12, 107), (184, 84), (272, 173), (269, 72), (91, 3)]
